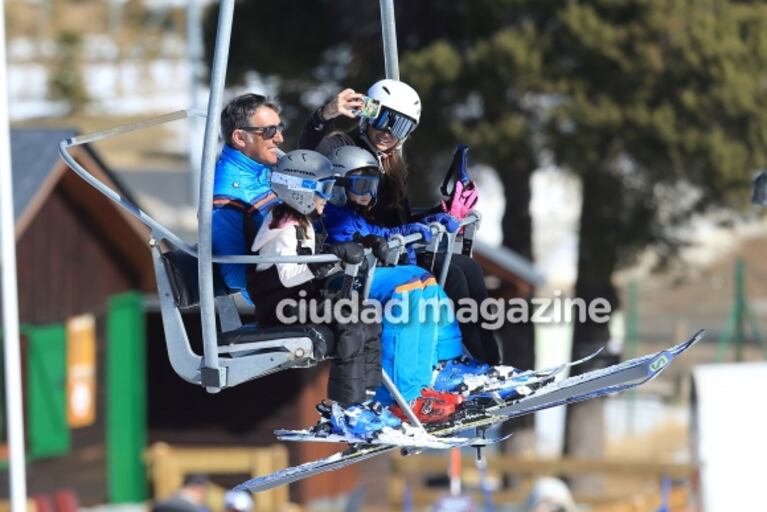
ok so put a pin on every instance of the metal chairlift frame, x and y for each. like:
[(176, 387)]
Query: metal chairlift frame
[(241, 361)]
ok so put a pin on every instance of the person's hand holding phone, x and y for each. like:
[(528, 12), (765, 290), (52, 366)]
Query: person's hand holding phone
[(346, 103)]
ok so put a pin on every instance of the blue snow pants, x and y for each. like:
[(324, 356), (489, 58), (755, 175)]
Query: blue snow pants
[(416, 334)]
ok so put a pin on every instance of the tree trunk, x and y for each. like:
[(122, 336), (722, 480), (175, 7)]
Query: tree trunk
[(597, 259), (518, 340), (517, 225)]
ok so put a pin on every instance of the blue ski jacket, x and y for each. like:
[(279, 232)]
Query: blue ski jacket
[(242, 195), (342, 223), (427, 334)]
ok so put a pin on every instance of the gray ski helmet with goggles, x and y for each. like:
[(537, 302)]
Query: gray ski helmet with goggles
[(400, 108), (348, 159), (299, 175)]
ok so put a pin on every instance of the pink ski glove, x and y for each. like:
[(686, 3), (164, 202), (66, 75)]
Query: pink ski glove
[(464, 198)]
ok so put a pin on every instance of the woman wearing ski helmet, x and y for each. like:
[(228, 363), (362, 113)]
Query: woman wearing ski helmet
[(384, 135)]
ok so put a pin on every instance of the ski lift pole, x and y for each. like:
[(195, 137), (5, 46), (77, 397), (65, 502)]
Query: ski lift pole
[(212, 378), (14, 411), (400, 400), (389, 33), (194, 57)]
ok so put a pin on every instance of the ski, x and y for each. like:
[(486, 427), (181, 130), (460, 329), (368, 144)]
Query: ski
[(594, 384), (520, 384), (523, 383), (418, 440), (388, 437), (612, 379), (556, 370)]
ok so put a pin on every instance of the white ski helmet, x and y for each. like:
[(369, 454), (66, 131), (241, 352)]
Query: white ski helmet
[(400, 108), (301, 174)]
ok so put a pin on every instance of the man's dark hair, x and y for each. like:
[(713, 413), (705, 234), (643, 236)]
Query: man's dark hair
[(236, 113)]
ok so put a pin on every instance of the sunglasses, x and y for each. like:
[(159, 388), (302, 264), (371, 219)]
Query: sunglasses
[(399, 125), (267, 132)]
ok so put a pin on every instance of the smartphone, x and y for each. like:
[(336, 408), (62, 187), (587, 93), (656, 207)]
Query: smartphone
[(370, 108)]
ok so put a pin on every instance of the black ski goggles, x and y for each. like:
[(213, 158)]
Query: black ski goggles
[(267, 132), (362, 185), (399, 125)]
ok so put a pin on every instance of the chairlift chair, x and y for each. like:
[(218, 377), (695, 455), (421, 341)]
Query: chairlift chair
[(187, 276)]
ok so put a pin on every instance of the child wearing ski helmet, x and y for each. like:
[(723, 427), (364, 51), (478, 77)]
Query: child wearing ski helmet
[(384, 135), (303, 180), (411, 347), (361, 184), (443, 367)]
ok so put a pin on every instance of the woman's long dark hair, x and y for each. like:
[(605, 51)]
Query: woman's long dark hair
[(395, 174), (283, 212), (393, 164)]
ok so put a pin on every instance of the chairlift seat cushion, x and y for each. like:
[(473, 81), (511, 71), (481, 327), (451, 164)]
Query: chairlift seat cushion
[(322, 336), (182, 274)]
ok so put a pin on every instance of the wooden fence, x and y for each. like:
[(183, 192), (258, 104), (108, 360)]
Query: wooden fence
[(642, 491), (167, 466)]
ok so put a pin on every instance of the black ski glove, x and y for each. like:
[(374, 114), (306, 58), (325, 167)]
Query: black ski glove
[(348, 252), (321, 270), (378, 244)]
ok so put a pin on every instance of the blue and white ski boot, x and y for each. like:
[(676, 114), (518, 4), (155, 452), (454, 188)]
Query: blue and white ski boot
[(388, 418), (450, 375), (356, 420), (499, 390), (362, 421), (466, 375), (479, 381)]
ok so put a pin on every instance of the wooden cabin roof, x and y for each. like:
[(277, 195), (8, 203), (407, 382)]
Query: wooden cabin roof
[(38, 171)]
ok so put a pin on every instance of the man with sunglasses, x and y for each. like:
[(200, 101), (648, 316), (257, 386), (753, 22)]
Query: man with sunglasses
[(242, 194)]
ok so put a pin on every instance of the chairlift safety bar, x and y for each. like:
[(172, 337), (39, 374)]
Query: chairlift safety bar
[(158, 231)]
